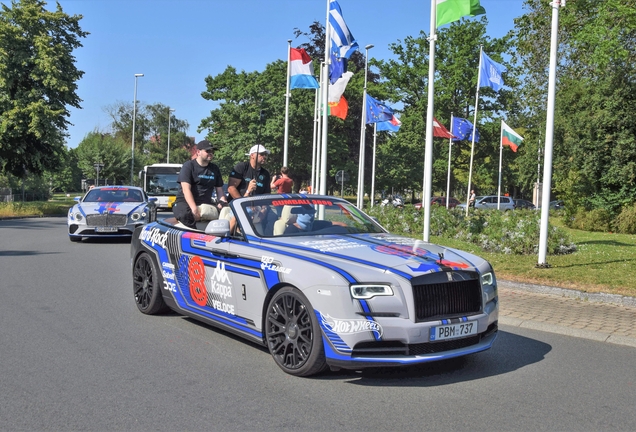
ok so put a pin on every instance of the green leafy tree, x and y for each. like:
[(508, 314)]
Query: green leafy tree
[(456, 64), (594, 135), (109, 150), (38, 84)]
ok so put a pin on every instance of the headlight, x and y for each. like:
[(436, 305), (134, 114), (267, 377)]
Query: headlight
[(488, 287), (135, 217), (370, 291), (487, 279), (78, 216)]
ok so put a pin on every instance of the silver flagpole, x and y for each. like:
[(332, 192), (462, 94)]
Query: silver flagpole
[(325, 106), (450, 148), (500, 160), (472, 147), (428, 152), (287, 96)]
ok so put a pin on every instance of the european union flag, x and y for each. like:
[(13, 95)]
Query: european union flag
[(377, 111), (463, 130), (337, 67)]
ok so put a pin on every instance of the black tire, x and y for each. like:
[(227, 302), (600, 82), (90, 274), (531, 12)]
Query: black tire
[(147, 286), (75, 239), (293, 335)]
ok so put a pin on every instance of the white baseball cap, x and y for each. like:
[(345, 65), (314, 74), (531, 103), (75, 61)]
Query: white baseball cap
[(258, 148)]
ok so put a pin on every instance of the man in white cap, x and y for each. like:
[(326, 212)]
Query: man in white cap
[(250, 178), (197, 179)]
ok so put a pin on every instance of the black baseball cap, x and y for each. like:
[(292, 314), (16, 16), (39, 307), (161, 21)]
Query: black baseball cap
[(205, 145)]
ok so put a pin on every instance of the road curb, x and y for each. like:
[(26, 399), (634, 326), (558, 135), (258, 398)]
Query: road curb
[(570, 293)]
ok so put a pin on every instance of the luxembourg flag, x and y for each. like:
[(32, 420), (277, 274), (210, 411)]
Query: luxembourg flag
[(302, 70)]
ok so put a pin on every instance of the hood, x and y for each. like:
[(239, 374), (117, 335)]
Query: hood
[(402, 255), (125, 208)]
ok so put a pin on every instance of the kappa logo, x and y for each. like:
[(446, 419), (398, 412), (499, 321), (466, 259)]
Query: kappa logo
[(220, 274)]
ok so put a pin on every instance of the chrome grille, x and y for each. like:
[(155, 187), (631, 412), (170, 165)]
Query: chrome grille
[(106, 220), (447, 299)]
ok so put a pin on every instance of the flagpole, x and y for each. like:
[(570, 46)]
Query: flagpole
[(472, 147), (500, 160), (287, 96), (360, 200), (375, 134), (325, 106), (316, 173), (428, 152), (549, 136), (450, 148), (312, 184)]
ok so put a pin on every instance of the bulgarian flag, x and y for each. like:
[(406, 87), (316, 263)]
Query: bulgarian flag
[(509, 137), (453, 10)]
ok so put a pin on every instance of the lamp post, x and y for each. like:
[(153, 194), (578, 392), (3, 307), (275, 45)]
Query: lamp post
[(170, 110), (132, 163), (360, 201), (98, 166)]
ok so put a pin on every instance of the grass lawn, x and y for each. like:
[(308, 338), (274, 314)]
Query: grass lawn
[(603, 262)]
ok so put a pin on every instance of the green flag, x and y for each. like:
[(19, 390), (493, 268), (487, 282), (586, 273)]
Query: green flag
[(452, 10)]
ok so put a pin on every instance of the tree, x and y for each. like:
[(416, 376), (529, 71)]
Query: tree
[(38, 84), (456, 64), (109, 150), (594, 135), (151, 132)]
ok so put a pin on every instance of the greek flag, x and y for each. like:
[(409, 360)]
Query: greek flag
[(342, 40)]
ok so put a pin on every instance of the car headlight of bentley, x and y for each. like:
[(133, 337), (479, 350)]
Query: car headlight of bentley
[(367, 291)]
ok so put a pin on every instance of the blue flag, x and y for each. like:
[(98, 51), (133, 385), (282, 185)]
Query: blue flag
[(490, 73), (342, 41), (377, 111), (392, 125), (337, 67), (463, 130)]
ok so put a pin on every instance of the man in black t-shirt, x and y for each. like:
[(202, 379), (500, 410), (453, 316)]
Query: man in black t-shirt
[(198, 178), (250, 178)]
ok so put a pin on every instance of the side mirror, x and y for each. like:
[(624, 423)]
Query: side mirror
[(152, 199), (219, 228), (77, 199)]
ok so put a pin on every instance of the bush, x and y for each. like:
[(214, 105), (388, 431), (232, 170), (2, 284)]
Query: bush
[(625, 222), (592, 220), (513, 232)]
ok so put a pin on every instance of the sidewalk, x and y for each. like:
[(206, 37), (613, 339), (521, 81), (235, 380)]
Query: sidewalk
[(600, 317)]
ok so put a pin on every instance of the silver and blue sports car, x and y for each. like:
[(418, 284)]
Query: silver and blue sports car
[(320, 283), (110, 211)]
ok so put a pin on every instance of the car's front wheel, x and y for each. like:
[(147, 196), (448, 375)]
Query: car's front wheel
[(293, 335), (147, 286)]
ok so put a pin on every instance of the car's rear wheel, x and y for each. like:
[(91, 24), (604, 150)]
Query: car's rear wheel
[(293, 335), (147, 286)]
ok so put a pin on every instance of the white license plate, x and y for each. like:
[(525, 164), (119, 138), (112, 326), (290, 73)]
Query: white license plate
[(453, 331), (106, 229)]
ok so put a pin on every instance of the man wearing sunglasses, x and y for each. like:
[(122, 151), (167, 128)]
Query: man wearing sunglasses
[(250, 178), (198, 179)]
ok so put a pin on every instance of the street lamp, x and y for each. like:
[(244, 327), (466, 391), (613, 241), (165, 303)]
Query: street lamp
[(170, 110), (360, 201), (132, 163), (98, 166)]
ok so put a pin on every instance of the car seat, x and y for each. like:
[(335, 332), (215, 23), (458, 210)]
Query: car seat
[(286, 219)]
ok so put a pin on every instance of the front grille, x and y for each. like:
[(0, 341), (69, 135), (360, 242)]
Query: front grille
[(396, 348), (107, 220), (447, 299)]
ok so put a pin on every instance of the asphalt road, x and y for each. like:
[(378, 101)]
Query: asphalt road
[(77, 355)]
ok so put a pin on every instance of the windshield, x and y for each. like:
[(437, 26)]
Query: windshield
[(114, 195), (162, 184), (306, 216)]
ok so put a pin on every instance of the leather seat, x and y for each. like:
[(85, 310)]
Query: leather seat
[(286, 219)]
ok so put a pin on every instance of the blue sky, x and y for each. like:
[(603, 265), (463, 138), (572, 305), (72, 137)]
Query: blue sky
[(177, 43)]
